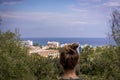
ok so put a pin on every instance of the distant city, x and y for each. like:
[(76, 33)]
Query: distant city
[(50, 50)]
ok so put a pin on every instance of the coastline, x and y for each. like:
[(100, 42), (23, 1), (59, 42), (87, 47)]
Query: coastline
[(83, 41)]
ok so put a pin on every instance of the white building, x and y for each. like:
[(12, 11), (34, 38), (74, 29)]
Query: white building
[(28, 42), (53, 44), (49, 53)]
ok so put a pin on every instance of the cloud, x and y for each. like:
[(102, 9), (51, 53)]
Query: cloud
[(43, 22), (48, 18), (9, 2), (88, 2), (112, 4), (48, 24), (75, 8), (96, 0)]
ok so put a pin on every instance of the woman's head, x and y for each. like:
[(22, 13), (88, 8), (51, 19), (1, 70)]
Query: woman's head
[(69, 56)]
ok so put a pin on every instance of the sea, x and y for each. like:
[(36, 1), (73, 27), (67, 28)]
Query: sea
[(82, 41)]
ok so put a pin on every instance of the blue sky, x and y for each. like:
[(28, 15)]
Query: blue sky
[(58, 18)]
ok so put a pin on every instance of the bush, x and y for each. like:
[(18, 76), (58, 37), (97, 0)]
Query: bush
[(44, 68), (101, 64), (13, 58)]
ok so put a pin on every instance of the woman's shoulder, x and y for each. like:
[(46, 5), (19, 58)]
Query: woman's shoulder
[(70, 79)]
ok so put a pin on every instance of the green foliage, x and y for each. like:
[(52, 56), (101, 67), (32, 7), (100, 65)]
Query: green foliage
[(36, 44), (44, 68), (17, 64), (115, 26), (13, 58), (101, 63)]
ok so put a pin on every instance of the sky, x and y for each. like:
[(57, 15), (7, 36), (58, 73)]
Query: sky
[(58, 18)]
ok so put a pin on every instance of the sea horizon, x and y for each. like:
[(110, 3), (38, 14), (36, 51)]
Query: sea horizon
[(64, 37), (81, 41)]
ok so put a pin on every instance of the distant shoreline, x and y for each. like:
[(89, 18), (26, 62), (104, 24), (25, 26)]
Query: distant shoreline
[(64, 37), (82, 41)]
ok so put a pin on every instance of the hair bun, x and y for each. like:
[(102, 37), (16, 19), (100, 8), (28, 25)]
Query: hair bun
[(75, 45)]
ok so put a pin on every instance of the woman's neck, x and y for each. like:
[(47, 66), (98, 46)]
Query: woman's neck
[(70, 74)]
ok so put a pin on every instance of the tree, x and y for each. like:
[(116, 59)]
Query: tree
[(13, 58), (44, 68), (115, 26), (100, 63), (0, 20)]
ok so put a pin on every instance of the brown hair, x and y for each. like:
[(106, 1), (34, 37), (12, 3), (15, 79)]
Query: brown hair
[(69, 56)]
